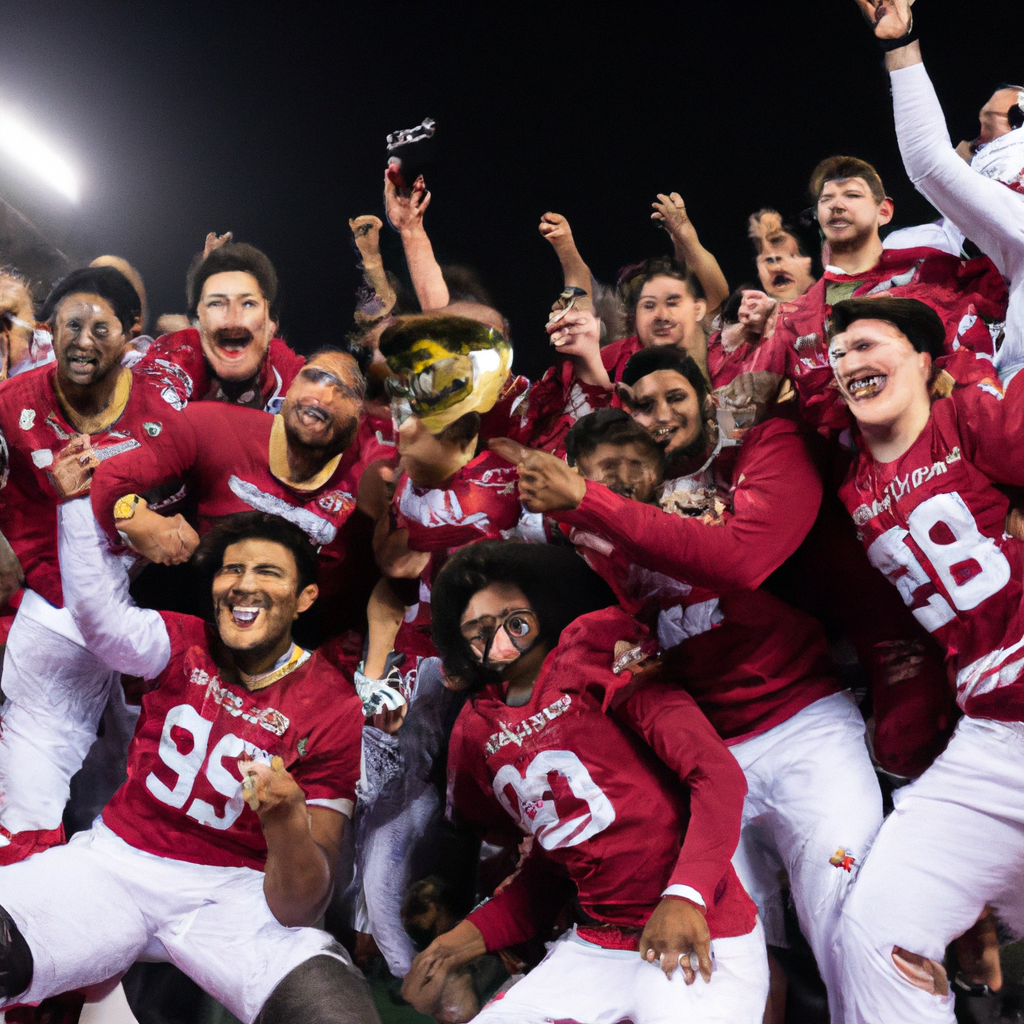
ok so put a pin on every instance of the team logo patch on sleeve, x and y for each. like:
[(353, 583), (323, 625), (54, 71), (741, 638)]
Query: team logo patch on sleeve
[(152, 428), (27, 419), (842, 858)]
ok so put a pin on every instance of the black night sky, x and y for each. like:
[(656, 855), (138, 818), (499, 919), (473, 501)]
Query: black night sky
[(269, 120)]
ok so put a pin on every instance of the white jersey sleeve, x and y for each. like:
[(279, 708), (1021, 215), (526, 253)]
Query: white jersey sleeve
[(129, 639), (988, 212)]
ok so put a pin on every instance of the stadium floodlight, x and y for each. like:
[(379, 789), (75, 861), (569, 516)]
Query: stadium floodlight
[(35, 154)]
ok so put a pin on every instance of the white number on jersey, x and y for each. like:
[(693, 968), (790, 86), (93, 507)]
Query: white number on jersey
[(531, 801), (969, 565), (187, 766)]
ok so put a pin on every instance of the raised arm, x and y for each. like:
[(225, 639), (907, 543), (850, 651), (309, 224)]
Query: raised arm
[(576, 274), (129, 639), (670, 210), (405, 214)]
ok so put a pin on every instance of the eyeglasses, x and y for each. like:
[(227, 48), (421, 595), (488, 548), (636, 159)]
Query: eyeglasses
[(316, 375), (520, 626)]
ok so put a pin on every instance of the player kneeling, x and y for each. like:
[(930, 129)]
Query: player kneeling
[(610, 778), (179, 868)]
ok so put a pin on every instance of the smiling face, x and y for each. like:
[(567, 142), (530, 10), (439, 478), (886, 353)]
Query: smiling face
[(321, 409), (256, 599), (666, 405), (849, 215), (628, 469), (235, 327), (88, 339), (785, 274), (666, 312), (881, 376)]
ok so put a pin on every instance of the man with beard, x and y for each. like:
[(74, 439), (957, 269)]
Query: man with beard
[(300, 464), (56, 424), (852, 207), (179, 868), (760, 670), (233, 356)]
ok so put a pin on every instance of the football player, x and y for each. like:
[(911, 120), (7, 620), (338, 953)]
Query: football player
[(558, 742), (218, 854)]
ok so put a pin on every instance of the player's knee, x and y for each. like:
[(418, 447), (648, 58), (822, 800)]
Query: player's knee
[(321, 990), (15, 959), (920, 971)]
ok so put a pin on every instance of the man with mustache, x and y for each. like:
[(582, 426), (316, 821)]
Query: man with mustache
[(233, 356), (56, 424), (301, 464), (852, 206)]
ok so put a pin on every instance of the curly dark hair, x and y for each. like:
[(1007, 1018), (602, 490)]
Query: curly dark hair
[(228, 257), (559, 585)]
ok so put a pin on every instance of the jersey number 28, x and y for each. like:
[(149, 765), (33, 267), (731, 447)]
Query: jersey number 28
[(969, 565)]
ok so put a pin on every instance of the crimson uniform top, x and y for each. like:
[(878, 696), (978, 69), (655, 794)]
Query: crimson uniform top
[(962, 292), (183, 796), (226, 455), (552, 405), (750, 660), (33, 432), (600, 792), (724, 367), (180, 355), (933, 522), (618, 353)]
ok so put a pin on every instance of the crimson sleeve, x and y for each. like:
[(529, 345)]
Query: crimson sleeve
[(774, 504), (169, 456), (525, 907), (673, 726), (992, 429)]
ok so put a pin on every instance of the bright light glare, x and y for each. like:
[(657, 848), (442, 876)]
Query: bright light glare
[(32, 152)]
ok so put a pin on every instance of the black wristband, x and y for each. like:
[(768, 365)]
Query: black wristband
[(887, 45)]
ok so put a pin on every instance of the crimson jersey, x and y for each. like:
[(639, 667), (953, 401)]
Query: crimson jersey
[(617, 354), (33, 433), (225, 455), (548, 410), (183, 797), (179, 357), (724, 367), (933, 522), (481, 502), (750, 660), (965, 293), (594, 788)]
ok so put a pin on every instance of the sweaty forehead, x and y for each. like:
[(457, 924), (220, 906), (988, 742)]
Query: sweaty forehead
[(84, 304), (341, 364)]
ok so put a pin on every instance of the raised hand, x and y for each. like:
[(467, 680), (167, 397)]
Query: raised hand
[(677, 935), (755, 310), (215, 241), (405, 213), (268, 788), (555, 228), (890, 19), (670, 212), (577, 333)]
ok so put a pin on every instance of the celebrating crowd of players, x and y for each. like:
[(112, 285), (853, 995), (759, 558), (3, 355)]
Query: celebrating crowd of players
[(370, 609)]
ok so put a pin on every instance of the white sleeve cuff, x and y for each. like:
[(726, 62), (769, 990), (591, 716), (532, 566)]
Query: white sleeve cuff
[(687, 892), (345, 807)]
